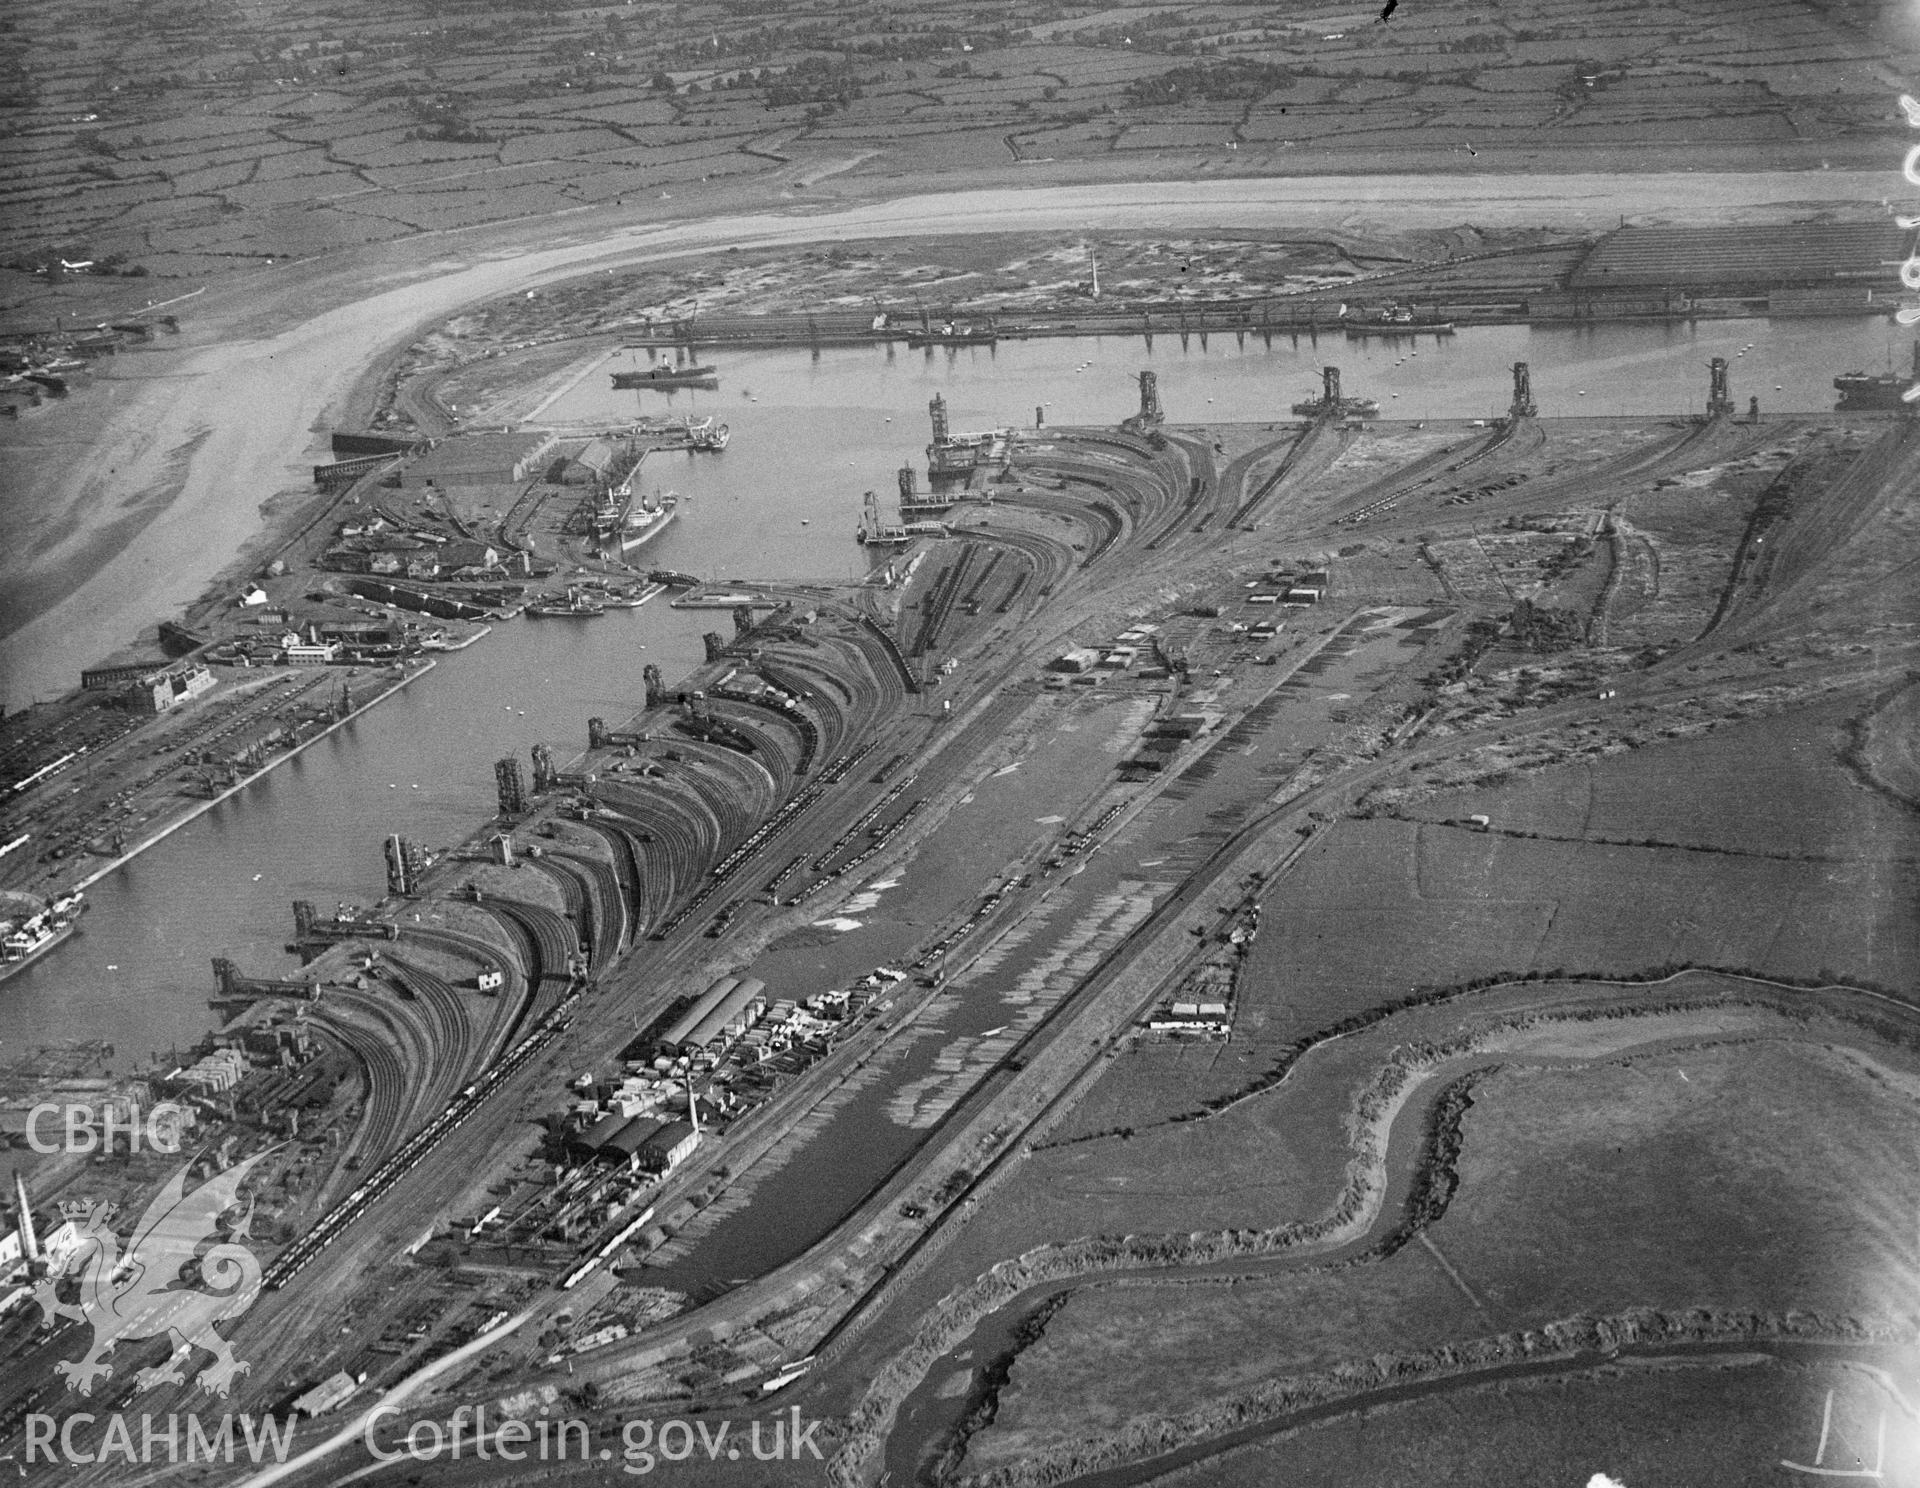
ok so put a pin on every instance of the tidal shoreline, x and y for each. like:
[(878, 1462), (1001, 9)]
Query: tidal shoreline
[(244, 412)]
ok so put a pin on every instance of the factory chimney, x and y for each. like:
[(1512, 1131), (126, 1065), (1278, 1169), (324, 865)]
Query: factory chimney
[(29, 1240)]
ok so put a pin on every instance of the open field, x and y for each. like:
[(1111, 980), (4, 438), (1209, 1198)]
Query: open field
[(1665, 1424), (1756, 1184), (169, 149), (1724, 792), (1669, 661)]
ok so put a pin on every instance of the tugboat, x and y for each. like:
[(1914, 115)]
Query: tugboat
[(709, 436), (576, 605), (1883, 391)]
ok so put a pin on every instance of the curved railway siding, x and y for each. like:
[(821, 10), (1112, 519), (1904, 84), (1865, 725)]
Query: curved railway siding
[(1043, 564), (1076, 512), (573, 893), (787, 739), (1386, 491), (936, 604), (655, 840), (778, 741), (1806, 532), (629, 875), (603, 916), (1312, 454), (508, 1005), (549, 941), (451, 1031), (737, 788), (676, 796), (890, 650), (378, 1129), (388, 1045)]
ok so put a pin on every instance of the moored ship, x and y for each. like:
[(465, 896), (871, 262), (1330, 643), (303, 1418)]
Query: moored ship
[(1399, 320), (648, 520), (1876, 391), (28, 937), (955, 333), (573, 605), (668, 375)]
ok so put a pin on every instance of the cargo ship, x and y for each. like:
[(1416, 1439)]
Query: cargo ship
[(667, 375), (1886, 391), (955, 334), (621, 525), (1339, 408), (1398, 320), (573, 605), (29, 937), (1332, 404), (648, 520)]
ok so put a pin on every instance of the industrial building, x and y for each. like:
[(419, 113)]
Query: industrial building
[(668, 1147), (1804, 254), (478, 460), (726, 1009), (160, 692)]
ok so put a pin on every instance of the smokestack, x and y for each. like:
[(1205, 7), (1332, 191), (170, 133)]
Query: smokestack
[(29, 1240), (693, 1106)]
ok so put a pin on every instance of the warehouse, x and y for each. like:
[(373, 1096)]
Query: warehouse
[(732, 1016), (587, 1144), (478, 460), (677, 1031), (668, 1147), (625, 1148), (726, 1009)]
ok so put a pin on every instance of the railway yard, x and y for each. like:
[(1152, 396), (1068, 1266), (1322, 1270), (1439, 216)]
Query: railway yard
[(1277, 923), (1076, 743)]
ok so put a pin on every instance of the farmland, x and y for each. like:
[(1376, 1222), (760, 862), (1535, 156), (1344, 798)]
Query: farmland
[(154, 145), (1752, 1185), (1547, 1035), (1742, 1409), (1360, 946)]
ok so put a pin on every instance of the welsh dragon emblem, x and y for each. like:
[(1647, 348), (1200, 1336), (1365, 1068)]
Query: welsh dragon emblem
[(142, 1293)]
